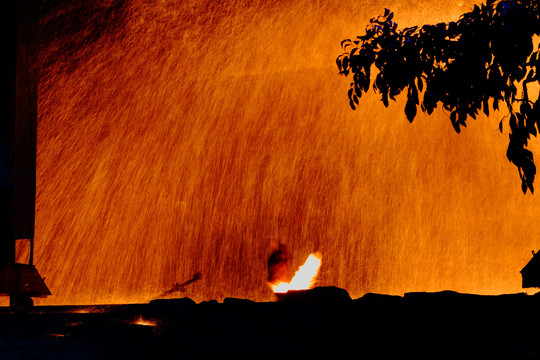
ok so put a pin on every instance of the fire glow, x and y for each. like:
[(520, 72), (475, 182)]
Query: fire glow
[(304, 278), (144, 322), (159, 157)]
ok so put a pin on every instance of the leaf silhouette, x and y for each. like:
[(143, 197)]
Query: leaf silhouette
[(486, 56)]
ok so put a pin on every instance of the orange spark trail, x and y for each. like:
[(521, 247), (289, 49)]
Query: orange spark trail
[(177, 137)]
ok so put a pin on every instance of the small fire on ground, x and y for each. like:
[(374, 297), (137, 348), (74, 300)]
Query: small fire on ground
[(144, 322), (303, 279)]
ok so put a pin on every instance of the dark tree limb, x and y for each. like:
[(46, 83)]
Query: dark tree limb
[(465, 66)]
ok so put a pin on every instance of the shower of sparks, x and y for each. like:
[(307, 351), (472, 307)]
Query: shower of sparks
[(184, 136)]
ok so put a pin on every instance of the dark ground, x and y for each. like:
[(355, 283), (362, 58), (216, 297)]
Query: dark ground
[(322, 323)]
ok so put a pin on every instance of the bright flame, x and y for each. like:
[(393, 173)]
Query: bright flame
[(304, 278), (144, 322)]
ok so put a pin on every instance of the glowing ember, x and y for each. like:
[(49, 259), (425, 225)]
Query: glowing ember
[(89, 310), (304, 278), (144, 322)]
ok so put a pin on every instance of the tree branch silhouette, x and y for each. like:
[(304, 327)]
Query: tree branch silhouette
[(476, 63)]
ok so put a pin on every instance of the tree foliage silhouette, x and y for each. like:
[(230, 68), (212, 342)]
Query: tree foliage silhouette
[(483, 60)]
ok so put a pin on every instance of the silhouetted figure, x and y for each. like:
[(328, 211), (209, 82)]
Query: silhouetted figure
[(278, 264)]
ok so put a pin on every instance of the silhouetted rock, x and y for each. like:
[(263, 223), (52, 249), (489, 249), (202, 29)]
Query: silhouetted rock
[(164, 307), (172, 302), (322, 323), (330, 295), (238, 302), (379, 299)]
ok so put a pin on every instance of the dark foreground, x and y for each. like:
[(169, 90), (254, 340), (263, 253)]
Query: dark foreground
[(321, 324)]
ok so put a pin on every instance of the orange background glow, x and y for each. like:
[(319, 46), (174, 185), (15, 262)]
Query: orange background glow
[(199, 131)]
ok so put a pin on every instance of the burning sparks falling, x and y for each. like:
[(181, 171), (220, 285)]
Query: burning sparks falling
[(304, 278), (189, 131)]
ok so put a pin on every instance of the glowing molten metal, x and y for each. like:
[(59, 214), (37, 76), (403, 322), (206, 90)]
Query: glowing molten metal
[(304, 278)]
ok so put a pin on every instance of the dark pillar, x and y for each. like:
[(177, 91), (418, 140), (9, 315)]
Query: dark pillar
[(19, 21)]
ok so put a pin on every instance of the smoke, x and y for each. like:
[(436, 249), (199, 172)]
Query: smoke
[(278, 264)]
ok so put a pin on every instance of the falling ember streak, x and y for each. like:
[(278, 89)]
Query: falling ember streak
[(304, 278)]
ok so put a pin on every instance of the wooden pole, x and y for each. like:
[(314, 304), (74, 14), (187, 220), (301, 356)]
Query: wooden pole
[(19, 20)]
